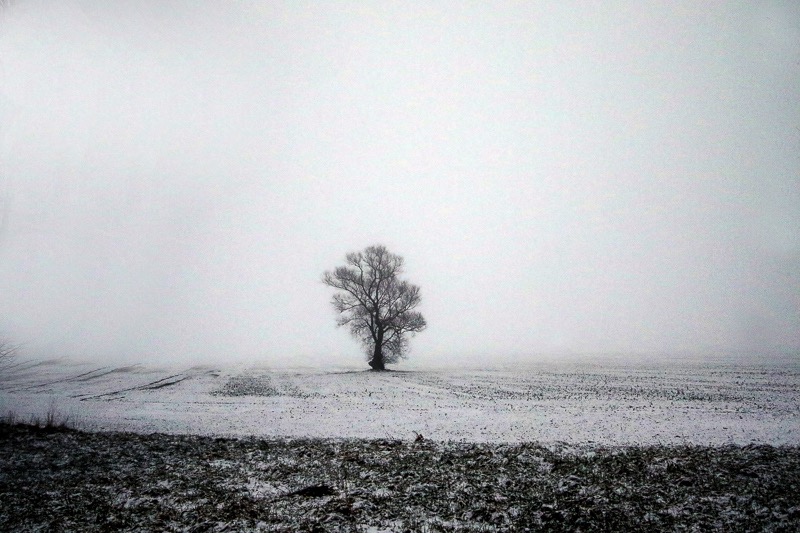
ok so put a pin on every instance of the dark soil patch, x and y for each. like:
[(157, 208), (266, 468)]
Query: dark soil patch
[(258, 386), (70, 480)]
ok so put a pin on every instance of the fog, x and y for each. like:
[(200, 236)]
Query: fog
[(560, 177)]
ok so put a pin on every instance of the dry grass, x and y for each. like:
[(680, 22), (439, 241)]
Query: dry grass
[(52, 420)]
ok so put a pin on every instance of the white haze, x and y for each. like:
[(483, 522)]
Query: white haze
[(175, 176)]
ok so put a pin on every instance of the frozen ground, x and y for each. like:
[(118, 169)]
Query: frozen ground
[(576, 400), (80, 481)]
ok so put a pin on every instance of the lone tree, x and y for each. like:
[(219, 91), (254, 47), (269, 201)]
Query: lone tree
[(376, 305)]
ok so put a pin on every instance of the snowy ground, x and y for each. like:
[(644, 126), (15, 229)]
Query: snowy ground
[(577, 400), (79, 481)]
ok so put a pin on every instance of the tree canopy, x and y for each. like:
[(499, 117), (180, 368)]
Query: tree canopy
[(377, 306)]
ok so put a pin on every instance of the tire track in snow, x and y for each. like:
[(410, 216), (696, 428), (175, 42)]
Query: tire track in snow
[(63, 380), (153, 385)]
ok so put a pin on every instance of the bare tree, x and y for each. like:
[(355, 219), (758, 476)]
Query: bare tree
[(375, 304)]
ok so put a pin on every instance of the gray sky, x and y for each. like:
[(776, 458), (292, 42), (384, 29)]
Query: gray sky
[(560, 176)]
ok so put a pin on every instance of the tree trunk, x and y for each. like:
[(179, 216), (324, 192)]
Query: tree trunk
[(377, 356)]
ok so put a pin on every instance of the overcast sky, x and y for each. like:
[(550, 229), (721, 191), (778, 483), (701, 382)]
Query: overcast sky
[(559, 176)]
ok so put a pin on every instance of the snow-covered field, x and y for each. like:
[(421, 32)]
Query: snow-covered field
[(595, 444), (577, 400)]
